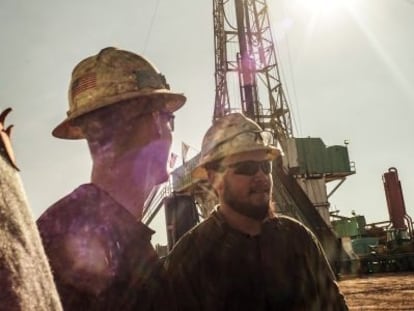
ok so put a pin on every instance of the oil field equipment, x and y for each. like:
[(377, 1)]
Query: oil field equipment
[(245, 56), (386, 246)]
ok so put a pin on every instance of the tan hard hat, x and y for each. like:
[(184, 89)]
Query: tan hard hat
[(229, 135), (109, 77)]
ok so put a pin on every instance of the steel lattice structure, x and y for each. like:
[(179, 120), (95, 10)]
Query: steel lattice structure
[(247, 80), (245, 55)]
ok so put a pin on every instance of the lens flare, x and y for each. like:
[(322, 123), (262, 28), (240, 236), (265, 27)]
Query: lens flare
[(324, 8)]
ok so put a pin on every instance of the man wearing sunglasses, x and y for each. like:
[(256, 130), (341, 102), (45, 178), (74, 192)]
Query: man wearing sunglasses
[(99, 250), (244, 256)]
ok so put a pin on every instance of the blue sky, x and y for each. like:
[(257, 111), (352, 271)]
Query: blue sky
[(348, 67)]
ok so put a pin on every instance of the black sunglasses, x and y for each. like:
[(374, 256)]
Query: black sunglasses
[(250, 168)]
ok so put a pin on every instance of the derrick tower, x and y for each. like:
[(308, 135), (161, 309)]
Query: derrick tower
[(245, 56), (248, 81)]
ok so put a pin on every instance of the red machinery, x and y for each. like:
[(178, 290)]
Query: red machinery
[(395, 248), (395, 201)]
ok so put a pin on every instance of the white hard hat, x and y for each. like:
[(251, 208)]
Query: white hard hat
[(232, 134)]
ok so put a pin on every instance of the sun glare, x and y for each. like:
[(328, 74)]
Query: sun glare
[(323, 7)]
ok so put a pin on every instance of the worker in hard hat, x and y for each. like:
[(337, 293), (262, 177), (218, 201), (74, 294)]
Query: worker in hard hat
[(243, 256), (99, 250)]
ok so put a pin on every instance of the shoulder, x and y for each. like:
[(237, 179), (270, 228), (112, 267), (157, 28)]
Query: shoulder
[(286, 223), (296, 230), (85, 196), (197, 240), (208, 231), (90, 239), (92, 212), (197, 234), (85, 206), (71, 204)]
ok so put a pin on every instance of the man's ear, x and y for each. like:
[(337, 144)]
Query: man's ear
[(157, 122), (210, 176), (214, 179)]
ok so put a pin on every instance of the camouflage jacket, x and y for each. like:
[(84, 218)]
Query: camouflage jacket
[(214, 267), (101, 257)]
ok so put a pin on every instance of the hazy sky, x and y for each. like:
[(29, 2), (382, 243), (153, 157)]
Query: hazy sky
[(348, 67)]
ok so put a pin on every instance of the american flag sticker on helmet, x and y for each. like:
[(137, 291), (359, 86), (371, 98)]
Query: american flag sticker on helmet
[(83, 83)]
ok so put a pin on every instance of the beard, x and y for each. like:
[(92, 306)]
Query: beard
[(255, 211)]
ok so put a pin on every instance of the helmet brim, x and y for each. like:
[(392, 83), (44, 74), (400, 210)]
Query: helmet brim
[(66, 129)]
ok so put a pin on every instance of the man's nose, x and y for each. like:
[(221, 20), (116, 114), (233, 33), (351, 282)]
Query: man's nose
[(261, 175)]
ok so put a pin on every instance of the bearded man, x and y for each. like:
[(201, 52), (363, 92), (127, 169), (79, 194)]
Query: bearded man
[(243, 256)]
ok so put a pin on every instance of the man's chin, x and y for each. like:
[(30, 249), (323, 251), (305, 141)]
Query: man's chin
[(260, 213), (260, 199), (253, 211)]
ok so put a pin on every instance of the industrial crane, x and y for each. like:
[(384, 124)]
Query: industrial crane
[(245, 56)]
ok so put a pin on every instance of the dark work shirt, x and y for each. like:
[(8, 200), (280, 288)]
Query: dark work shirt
[(101, 257), (214, 267)]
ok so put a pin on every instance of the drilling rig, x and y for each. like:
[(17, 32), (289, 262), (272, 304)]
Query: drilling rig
[(245, 57)]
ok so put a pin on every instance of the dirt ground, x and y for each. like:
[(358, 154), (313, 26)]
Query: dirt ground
[(379, 292)]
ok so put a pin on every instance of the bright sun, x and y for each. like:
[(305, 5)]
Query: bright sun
[(323, 7)]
